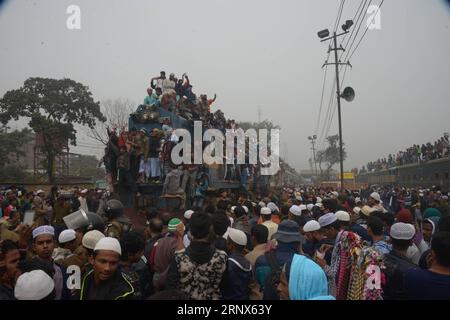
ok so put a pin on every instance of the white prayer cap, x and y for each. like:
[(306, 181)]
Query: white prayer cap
[(188, 214), (318, 200), (335, 194), (261, 204), (33, 285), (357, 210), (375, 196), (91, 238), (327, 219), (342, 216), (272, 206), (295, 210), (402, 231), (67, 236), (245, 208), (266, 211), (311, 225), (43, 230), (39, 191), (302, 207), (357, 199), (84, 191), (319, 205), (237, 236), (309, 206), (108, 243)]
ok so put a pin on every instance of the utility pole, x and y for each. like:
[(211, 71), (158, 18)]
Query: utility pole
[(338, 97), (348, 94), (313, 141)]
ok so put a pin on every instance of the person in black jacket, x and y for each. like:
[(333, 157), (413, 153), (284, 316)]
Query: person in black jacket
[(106, 281), (396, 262), (239, 273)]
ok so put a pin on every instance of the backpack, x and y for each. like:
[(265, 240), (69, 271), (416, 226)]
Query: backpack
[(273, 279)]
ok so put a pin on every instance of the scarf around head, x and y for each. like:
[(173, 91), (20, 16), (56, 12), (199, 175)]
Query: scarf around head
[(307, 281)]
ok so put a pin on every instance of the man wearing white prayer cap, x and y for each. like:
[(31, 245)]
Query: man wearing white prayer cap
[(344, 219), (266, 216), (239, 270), (43, 246), (330, 226), (396, 262), (314, 237), (375, 202), (65, 255), (90, 240), (105, 281), (34, 285)]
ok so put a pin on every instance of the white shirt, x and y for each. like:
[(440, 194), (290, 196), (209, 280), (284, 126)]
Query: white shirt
[(83, 204)]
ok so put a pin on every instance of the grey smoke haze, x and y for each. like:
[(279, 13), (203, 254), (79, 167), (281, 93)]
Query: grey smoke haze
[(251, 53)]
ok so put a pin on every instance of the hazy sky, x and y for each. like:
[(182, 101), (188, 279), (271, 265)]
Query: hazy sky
[(251, 53)]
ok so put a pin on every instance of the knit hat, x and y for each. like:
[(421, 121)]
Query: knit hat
[(431, 212), (327, 219), (33, 285), (295, 210), (342, 216), (402, 231), (375, 196), (173, 224), (237, 236), (91, 238), (272, 206), (188, 214), (66, 236), (404, 216), (108, 243), (311, 225), (43, 230)]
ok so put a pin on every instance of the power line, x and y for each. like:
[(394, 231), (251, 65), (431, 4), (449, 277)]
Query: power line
[(348, 48), (345, 35), (321, 98), (367, 28)]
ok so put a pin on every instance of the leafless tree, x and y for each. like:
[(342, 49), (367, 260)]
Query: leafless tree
[(117, 112)]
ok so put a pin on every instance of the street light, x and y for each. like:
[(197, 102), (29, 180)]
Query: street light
[(323, 34)]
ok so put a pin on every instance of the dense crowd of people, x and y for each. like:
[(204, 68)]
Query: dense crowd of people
[(298, 243), (137, 156), (415, 154)]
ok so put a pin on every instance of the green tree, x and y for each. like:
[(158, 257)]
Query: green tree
[(53, 107), (329, 156), (11, 145), (86, 166)]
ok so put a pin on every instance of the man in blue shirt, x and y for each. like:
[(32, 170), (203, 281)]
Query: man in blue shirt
[(434, 283), (152, 98)]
